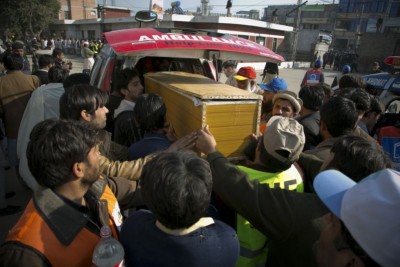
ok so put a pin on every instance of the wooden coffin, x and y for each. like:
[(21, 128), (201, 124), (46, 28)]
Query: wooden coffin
[(194, 101)]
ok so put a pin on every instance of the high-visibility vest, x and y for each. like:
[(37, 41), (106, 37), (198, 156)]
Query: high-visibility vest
[(253, 243), (33, 231), (389, 138), (313, 77)]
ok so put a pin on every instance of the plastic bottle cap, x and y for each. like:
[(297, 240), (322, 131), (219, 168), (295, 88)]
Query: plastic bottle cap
[(105, 231)]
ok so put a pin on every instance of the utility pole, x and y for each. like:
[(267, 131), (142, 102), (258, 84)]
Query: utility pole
[(297, 27), (358, 33), (204, 8)]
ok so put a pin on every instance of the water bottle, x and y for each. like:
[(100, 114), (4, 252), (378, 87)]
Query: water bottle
[(109, 251)]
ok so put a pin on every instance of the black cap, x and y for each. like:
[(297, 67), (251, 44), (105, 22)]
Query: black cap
[(17, 45)]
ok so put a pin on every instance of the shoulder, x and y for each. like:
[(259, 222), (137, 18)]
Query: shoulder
[(134, 224), (16, 254), (222, 229), (124, 115)]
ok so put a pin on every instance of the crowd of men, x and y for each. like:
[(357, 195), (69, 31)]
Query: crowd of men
[(315, 188)]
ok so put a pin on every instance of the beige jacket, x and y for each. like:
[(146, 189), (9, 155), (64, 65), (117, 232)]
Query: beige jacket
[(15, 91), (113, 161)]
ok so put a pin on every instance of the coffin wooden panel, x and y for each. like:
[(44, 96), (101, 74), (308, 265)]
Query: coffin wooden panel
[(194, 101)]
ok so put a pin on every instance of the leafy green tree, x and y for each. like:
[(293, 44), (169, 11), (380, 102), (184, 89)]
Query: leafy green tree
[(28, 17)]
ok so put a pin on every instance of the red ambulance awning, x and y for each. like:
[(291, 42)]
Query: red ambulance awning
[(151, 42)]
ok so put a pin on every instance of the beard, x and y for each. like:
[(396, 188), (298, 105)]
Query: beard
[(92, 175)]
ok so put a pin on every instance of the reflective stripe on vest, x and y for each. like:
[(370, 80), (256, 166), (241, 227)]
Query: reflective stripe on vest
[(33, 231), (253, 243)]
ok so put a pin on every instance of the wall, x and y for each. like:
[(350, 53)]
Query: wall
[(116, 13), (376, 47), (80, 9)]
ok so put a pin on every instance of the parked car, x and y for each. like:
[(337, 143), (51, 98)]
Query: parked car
[(193, 51), (387, 87)]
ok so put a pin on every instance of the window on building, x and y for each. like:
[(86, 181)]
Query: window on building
[(350, 7), (365, 6), (397, 48), (274, 44), (382, 6), (343, 6), (260, 40), (343, 24), (67, 15), (244, 36), (394, 10), (311, 26), (91, 34)]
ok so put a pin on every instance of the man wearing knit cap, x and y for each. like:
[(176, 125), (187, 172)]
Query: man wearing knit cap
[(246, 79), (286, 104), (269, 91), (88, 60)]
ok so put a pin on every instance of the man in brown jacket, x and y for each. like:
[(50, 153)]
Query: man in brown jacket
[(15, 91)]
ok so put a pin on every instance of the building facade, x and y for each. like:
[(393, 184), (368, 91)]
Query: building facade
[(77, 9), (357, 17), (264, 33)]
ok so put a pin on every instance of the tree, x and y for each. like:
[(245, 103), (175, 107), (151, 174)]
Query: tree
[(28, 17)]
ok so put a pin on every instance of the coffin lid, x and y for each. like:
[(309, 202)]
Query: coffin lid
[(199, 86)]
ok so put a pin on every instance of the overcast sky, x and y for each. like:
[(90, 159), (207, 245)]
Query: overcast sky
[(218, 6)]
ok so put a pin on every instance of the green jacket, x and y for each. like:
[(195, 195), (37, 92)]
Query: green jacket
[(253, 243), (286, 217)]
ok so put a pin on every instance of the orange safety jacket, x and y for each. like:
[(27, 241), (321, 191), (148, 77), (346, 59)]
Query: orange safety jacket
[(389, 138), (61, 239), (313, 77)]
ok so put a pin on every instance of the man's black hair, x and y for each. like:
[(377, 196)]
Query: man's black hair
[(57, 74), (13, 62), (357, 157), (45, 60), (57, 52), (229, 63), (352, 80), (76, 79), (376, 107), (17, 45), (81, 97), (149, 112), (176, 187), (55, 146), (359, 96), (312, 97), (339, 115), (125, 76)]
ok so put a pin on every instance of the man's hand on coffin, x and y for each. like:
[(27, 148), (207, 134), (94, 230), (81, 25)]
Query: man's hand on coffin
[(205, 141), (256, 136), (186, 142), (169, 132)]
